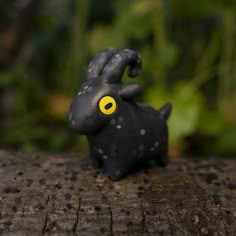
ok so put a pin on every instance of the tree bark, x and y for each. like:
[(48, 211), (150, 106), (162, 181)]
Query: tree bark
[(48, 194)]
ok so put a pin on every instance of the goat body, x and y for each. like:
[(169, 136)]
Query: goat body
[(122, 134)]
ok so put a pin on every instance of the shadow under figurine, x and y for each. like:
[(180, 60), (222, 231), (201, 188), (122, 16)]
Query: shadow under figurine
[(122, 134)]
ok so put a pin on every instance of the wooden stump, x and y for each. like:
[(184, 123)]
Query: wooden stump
[(51, 195)]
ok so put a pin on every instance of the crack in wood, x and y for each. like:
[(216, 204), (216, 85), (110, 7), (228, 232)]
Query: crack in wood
[(184, 199), (0, 214), (45, 224), (76, 224), (46, 216), (144, 225), (47, 200), (9, 223), (111, 220), (23, 212)]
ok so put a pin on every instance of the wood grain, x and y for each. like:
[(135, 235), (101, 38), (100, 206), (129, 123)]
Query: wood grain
[(48, 194)]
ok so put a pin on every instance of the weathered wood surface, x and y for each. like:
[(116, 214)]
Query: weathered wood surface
[(52, 195)]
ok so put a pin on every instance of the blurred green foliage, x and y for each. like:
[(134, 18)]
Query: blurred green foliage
[(188, 52)]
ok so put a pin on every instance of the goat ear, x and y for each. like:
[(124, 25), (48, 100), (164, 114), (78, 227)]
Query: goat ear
[(131, 91)]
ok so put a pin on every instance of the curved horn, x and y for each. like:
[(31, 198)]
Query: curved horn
[(98, 63), (115, 68)]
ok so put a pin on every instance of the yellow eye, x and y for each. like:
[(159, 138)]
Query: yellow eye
[(107, 105)]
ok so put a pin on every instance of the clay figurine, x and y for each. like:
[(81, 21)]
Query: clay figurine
[(122, 134)]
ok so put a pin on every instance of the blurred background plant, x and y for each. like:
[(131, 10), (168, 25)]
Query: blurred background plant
[(189, 59)]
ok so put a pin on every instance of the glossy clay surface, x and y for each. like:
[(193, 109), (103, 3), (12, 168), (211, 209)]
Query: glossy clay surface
[(122, 134)]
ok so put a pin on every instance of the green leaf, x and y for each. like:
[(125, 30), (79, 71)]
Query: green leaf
[(187, 103), (226, 142), (58, 139), (169, 54), (7, 78), (210, 122)]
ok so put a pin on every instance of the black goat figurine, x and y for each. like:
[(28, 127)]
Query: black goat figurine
[(122, 134)]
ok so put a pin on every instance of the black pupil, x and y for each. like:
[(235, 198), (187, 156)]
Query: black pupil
[(108, 106)]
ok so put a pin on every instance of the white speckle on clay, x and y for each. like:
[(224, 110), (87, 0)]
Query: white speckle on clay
[(152, 149), (118, 58), (117, 55), (100, 150), (118, 126), (113, 122), (89, 70), (105, 157), (142, 131), (79, 93), (141, 147), (85, 87), (156, 144), (73, 122)]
